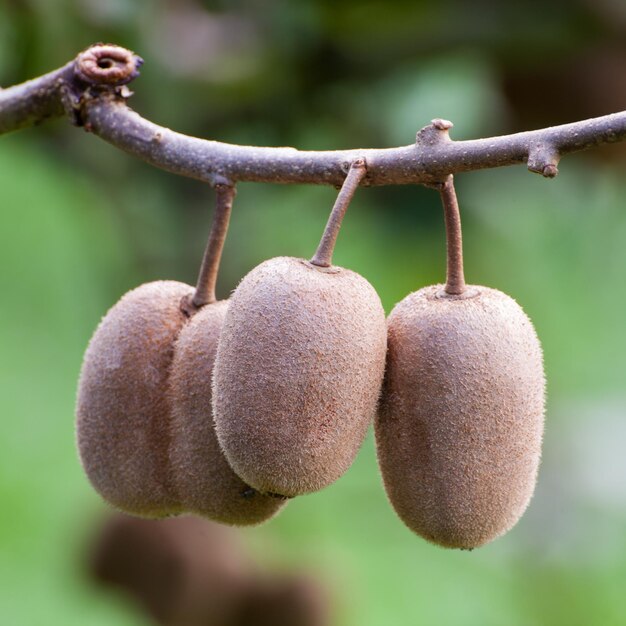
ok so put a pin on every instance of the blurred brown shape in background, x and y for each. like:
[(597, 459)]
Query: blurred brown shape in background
[(187, 571)]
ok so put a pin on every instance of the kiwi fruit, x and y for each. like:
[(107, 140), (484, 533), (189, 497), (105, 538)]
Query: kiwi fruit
[(122, 410), (203, 480), (298, 373), (144, 426), (299, 367), (460, 425)]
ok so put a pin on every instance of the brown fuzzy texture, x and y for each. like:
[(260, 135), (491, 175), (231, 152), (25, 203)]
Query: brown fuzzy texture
[(122, 409), (201, 476), (461, 420), (298, 373)]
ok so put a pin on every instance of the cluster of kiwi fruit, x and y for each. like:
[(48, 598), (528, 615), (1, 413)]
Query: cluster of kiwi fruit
[(227, 409), (144, 440)]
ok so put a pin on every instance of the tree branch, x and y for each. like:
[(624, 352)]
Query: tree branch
[(100, 69), (92, 91)]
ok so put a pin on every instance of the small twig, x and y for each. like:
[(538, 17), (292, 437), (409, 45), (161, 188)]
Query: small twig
[(91, 90), (323, 256), (455, 279)]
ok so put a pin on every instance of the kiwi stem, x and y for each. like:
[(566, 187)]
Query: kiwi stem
[(455, 279), (324, 254), (207, 277)]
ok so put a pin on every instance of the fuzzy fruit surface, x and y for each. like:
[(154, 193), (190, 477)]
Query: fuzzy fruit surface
[(460, 424), (298, 374), (122, 409), (203, 480)]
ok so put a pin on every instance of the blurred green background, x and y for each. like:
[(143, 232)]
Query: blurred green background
[(81, 223)]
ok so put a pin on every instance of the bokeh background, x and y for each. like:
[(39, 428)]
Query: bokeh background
[(81, 223)]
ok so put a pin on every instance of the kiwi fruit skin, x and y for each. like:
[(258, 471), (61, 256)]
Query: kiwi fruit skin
[(202, 478), (298, 374), (122, 406), (460, 424)]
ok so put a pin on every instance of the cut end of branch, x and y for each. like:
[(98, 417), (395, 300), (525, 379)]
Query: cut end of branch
[(107, 64)]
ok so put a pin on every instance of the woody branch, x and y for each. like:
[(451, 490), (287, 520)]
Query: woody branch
[(92, 91)]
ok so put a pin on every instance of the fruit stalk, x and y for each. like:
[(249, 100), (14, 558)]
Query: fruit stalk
[(324, 254), (455, 278), (207, 277)]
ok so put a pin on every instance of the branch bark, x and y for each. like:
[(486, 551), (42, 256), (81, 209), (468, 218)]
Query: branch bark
[(92, 91)]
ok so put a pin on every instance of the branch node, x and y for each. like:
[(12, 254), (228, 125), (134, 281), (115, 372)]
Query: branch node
[(71, 104), (543, 159), (221, 182), (436, 132)]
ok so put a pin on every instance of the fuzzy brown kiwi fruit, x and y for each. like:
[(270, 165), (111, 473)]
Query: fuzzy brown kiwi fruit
[(122, 410), (201, 476), (299, 367), (460, 424), (144, 454)]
